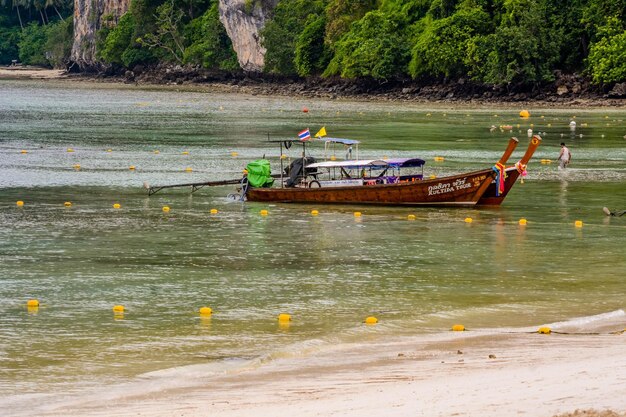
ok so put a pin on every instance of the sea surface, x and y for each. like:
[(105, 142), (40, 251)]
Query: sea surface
[(64, 142)]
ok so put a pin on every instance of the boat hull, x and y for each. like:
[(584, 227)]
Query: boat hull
[(457, 190), (490, 197)]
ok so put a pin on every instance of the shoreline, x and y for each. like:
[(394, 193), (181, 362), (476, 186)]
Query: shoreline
[(486, 372), (326, 90)]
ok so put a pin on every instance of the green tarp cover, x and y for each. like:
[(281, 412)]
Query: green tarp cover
[(259, 173)]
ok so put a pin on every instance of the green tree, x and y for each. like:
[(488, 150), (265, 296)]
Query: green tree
[(9, 37), (523, 50), (60, 36), (375, 47), (280, 33), (118, 40), (312, 55), (168, 36), (340, 14), (210, 45), (32, 44), (442, 47), (607, 56)]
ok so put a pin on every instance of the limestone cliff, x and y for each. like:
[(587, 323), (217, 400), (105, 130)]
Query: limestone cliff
[(243, 19), (88, 19)]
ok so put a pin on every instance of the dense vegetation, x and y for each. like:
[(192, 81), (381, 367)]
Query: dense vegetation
[(505, 42), (181, 32), (36, 32)]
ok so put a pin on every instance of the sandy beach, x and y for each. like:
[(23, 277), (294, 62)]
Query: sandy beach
[(472, 373), (20, 72)]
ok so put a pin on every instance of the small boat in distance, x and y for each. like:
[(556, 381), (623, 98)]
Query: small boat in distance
[(382, 182)]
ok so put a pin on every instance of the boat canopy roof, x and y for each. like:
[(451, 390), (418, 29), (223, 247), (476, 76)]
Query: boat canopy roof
[(371, 163), (324, 139), (338, 140)]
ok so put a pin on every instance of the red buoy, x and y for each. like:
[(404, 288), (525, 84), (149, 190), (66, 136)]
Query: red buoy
[(305, 110)]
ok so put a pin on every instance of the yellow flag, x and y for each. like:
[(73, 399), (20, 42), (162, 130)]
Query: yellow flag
[(321, 133)]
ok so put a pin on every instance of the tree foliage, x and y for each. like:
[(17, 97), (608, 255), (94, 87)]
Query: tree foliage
[(522, 50), (607, 56), (281, 33), (442, 47), (32, 44), (312, 55), (491, 41), (210, 45), (374, 47), (9, 37)]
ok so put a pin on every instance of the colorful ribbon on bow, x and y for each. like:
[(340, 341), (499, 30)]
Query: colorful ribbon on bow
[(500, 176), (521, 168)]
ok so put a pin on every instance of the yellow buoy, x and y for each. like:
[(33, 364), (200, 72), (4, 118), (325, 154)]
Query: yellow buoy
[(283, 317), (32, 303), (458, 328), (283, 156), (524, 114), (357, 214), (314, 212), (166, 209), (70, 150), (68, 204), (522, 222), (76, 166), (188, 169), (132, 167), (432, 176), (439, 158), (213, 211), (371, 320), (234, 154), (468, 220), (264, 212), (544, 330), (19, 203), (118, 308), (117, 205), (156, 151), (333, 158), (578, 223), (24, 151), (205, 311), (185, 152), (411, 217), (109, 150)]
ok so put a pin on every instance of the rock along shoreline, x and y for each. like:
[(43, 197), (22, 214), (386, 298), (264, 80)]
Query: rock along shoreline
[(568, 90)]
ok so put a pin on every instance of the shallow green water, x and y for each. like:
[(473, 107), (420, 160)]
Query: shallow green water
[(329, 272)]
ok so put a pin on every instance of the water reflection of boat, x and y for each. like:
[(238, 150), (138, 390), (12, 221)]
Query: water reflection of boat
[(382, 182)]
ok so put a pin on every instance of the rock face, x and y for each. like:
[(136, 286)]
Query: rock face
[(243, 20), (88, 19)]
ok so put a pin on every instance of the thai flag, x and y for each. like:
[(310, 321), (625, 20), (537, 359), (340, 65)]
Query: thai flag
[(304, 135)]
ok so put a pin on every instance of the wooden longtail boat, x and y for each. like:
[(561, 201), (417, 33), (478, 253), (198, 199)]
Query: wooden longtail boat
[(457, 190), (494, 197)]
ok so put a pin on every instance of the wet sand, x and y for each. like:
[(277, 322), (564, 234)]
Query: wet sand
[(480, 373)]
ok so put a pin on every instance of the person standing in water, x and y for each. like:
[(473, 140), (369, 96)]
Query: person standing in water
[(564, 157)]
